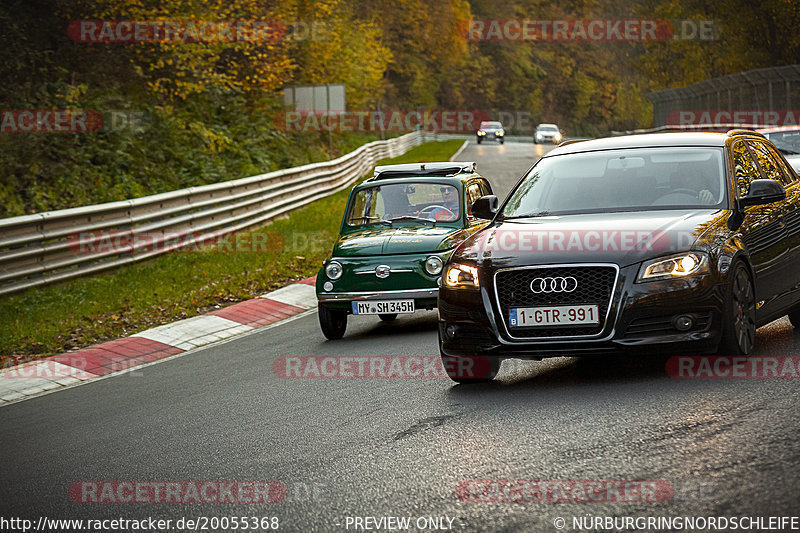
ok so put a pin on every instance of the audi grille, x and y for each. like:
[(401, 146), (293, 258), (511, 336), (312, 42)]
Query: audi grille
[(594, 284)]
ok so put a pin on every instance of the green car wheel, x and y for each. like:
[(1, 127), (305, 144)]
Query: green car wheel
[(333, 322)]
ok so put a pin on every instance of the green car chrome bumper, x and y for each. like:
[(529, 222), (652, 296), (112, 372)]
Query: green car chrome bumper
[(414, 294)]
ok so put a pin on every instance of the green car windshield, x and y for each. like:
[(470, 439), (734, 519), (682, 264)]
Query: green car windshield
[(433, 202)]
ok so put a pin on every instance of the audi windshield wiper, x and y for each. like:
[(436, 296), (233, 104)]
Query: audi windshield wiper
[(410, 217), (530, 215)]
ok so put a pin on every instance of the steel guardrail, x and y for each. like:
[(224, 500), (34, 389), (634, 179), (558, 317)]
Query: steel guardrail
[(48, 247)]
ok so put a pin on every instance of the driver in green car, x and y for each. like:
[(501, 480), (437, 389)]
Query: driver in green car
[(448, 208)]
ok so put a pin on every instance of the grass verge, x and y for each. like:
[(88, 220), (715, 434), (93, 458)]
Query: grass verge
[(78, 313)]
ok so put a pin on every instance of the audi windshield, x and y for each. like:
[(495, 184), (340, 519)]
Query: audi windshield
[(621, 180)]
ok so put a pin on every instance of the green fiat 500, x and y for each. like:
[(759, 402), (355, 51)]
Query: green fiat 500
[(399, 228)]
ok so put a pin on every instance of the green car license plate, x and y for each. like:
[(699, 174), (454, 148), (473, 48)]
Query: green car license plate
[(384, 307)]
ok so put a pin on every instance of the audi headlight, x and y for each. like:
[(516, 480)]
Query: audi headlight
[(481, 133), (501, 133), (676, 266), (433, 265), (334, 270), (557, 137), (458, 276)]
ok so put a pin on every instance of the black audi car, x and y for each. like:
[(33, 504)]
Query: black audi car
[(675, 241)]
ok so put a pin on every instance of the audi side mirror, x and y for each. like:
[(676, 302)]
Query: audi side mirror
[(485, 207), (763, 192)]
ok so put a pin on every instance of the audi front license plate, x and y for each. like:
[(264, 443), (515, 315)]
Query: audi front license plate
[(380, 308), (563, 315)]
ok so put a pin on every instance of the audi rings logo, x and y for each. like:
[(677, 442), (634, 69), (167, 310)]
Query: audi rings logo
[(559, 284)]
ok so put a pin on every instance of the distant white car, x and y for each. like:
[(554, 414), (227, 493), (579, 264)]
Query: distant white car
[(547, 133), (787, 140)]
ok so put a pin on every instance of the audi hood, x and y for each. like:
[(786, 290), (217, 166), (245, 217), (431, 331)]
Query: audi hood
[(621, 238)]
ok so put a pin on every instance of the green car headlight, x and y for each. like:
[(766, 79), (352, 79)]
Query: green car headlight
[(433, 265), (334, 270), (459, 276), (676, 266)]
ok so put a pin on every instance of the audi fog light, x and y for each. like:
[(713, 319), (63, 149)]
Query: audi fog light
[(683, 322), (460, 276), (676, 266), (328, 286), (433, 265), (333, 270)]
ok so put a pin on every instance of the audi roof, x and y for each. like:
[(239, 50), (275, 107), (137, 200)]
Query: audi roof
[(651, 140)]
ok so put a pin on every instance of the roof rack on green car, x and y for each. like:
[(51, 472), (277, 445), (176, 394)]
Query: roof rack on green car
[(412, 170)]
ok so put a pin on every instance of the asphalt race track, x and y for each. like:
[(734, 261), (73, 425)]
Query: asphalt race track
[(503, 164), (384, 447)]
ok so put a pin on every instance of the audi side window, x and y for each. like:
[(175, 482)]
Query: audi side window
[(788, 173), (745, 169), (769, 162)]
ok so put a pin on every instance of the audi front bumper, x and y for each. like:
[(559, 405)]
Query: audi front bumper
[(641, 317)]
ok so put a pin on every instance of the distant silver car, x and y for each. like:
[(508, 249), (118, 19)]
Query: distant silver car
[(787, 140), (547, 133)]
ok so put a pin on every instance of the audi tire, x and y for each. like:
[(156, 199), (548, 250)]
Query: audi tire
[(739, 312)]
